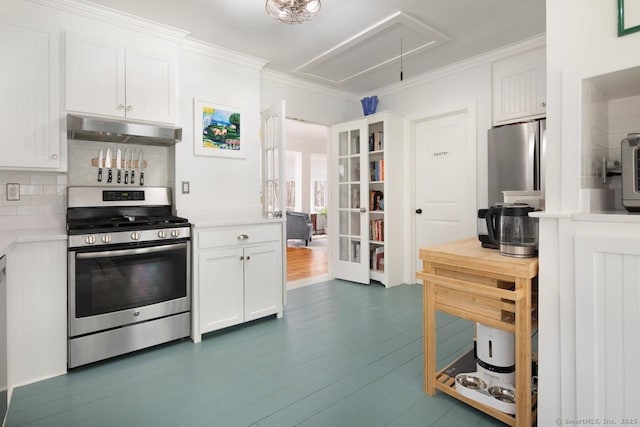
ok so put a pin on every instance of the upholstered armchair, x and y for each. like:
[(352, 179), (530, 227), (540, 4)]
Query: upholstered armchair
[(299, 226)]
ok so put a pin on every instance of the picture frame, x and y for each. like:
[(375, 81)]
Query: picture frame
[(217, 130), (628, 17)]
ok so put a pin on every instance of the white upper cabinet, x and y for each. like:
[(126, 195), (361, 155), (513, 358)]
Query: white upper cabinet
[(111, 79), (30, 98), (519, 87)]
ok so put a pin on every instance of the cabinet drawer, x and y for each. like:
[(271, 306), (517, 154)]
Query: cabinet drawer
[(233, 236)]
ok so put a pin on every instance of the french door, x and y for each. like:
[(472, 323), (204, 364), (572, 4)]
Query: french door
[(349, 217)]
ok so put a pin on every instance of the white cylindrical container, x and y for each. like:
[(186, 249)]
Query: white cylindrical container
[(496, 354)]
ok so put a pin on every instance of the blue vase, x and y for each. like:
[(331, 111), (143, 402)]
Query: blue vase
[(369, 104)]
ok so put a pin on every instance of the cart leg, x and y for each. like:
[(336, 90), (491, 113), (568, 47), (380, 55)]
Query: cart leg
[(523, 355), (429, 333)]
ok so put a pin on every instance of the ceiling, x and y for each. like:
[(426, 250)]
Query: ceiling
[(352, 45)]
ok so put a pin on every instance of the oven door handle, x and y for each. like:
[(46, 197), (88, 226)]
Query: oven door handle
[(125, 252)]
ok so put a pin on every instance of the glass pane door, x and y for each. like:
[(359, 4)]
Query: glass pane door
[(272, 162), (351, 253)]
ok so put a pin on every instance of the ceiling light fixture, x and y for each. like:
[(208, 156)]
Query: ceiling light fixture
[(293, 11)]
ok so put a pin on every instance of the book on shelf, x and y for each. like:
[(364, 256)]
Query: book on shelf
[(376, 141), (376, 258), (376, 200), (376, 170), (376, 230)]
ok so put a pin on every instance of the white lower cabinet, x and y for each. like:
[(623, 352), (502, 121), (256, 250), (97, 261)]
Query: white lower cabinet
[(36, 311), (238, 275)]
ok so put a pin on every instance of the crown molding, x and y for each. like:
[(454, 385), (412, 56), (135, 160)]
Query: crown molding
[(289, 80), (483, 59), (218, 52), (115, 17)]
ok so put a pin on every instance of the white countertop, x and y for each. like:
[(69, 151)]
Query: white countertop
[(208, 222), (603, 216), (608, 216), (23, 235), (226, 217)]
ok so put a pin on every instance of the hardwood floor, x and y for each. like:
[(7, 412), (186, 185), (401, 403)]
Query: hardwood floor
[(303, 263), (344, 354)]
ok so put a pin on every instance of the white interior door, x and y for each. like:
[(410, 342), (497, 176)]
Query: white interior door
[(445, 198)]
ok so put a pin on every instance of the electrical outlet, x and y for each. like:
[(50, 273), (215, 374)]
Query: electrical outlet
[(185, 187), (13, 192)]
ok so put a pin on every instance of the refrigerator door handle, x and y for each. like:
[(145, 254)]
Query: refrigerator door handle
[(531, 162)]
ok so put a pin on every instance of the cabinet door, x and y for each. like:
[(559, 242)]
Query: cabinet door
[(263, 281), (350, 230), (221, 289), (519, 87), (30, 101), (151, 88), (94, 76), (36, 343)]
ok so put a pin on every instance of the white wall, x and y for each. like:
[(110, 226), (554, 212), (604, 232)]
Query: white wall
[(222, 187), (308, 102)]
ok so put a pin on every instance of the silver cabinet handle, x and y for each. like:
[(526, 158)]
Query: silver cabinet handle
[(543, 104), (121, 107), (129, 108), (54, 157), (248, 257), (243, 237)]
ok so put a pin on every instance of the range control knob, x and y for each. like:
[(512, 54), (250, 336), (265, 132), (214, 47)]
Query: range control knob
[(90, 239), (136, 235), (106, 238), (162, 234), (175, 233)]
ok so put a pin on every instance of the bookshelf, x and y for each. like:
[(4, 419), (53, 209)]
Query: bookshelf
[(367, 200)]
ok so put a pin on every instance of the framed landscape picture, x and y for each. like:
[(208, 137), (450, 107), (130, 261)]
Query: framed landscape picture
[(217, 130)]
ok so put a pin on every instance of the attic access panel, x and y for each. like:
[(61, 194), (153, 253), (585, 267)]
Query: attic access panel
[(374, 48)]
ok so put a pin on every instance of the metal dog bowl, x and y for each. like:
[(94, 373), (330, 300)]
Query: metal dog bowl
[(471, 382), (503, 394)]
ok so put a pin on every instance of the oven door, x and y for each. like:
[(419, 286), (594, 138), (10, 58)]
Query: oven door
[(120, 286)]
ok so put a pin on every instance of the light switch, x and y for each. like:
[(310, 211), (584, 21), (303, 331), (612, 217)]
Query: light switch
[(185, 187), (13, 192)]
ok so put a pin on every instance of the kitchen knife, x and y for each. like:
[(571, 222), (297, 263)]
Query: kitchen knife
[(126, 169), (100, 160), (107, 164), (119, 165), (141, 167), (133, 170)]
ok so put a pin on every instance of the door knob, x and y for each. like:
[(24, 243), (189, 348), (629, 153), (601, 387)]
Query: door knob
[(418, 211)]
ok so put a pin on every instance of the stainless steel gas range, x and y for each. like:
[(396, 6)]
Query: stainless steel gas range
[(129, 283)]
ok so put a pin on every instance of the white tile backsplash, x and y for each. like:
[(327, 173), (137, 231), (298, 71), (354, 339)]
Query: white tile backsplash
[(44, 195), (40, 196), (159, 161), (605, 123)]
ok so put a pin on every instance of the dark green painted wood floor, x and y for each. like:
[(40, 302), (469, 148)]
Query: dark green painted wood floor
[(344, 354)]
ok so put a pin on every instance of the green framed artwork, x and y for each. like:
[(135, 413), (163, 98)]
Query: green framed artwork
[(628, 17), (216, 130)]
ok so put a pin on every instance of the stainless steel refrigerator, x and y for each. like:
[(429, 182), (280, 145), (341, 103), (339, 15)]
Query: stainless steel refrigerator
[(514, 153)]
